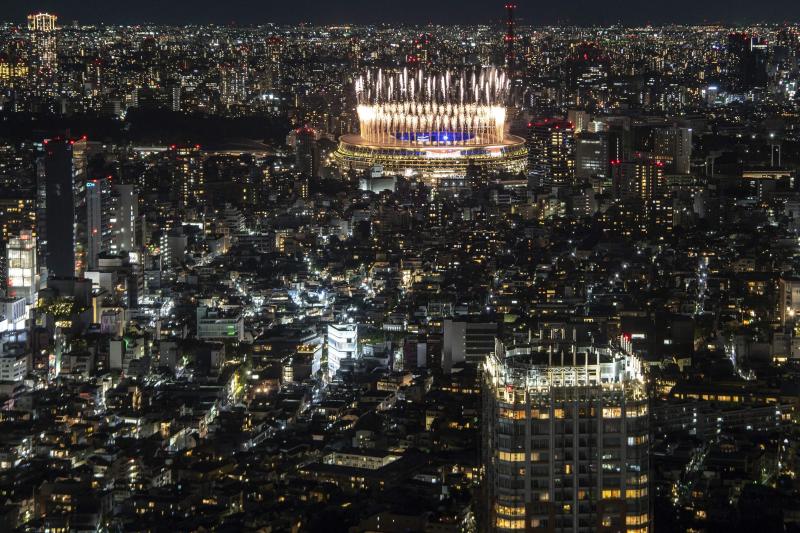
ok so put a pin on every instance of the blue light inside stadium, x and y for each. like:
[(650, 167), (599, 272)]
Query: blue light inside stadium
[(434, 136)]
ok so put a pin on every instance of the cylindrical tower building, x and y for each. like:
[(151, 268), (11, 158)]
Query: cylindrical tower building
[(565, 440)]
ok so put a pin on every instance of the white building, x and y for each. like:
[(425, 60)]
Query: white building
[(361, 459), (219, 324), (13, 362), (15, 312), (342, 344), (22, 271)]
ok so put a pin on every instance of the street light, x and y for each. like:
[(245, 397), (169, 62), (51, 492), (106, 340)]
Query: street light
[(772, 146)]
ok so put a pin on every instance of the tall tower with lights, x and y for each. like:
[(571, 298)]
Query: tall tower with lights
[(509, 39), (565, 439), (42, 27)]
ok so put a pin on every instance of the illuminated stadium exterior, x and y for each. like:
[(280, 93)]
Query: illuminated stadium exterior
[(432, 125)]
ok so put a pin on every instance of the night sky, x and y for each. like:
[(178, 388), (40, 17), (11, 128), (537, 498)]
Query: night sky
[(406, 11)]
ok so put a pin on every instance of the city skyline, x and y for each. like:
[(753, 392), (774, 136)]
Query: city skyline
[(455, 278), (418, 12)]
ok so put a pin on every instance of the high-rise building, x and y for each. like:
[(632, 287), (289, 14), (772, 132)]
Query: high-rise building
[(126, 213), (13, 363), (60, 208), (420, 53), (21, 273), (233, 83), (591, 156), (618, 143), (43, 37), (188, 177), (673, 146), (342, 344), (581, 201), (642, 187), (276, 50), (551, 150), (752, 58), (303, 188), (307, 152), (99, 215), (84, 152), (565, 440), (42, 22), (641, 178), (509, 39)]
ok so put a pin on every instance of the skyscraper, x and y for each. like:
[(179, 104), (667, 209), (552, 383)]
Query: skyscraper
[(276, 50), (644, 198), (579, 119), (307, 152), (510, 37), (421, 50), (126, 212), (641, 178), (752, 56), (83, 153), (591, 155), (233, 83), (565, 440), (43, 36), (42, 22), (188, 176), (551, 152), (60, 208), (22, 276), (99, 213), (673, 146)]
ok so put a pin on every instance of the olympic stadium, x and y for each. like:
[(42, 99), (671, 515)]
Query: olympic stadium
[(432, 125)]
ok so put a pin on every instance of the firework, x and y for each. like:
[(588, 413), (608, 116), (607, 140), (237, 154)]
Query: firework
[(437, 109)]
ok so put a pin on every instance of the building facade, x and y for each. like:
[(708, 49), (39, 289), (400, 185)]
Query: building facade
[(22, 274), (551, 152), (466, 341), (60, 209), (342, 344), (219, 324), (565, 445)]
